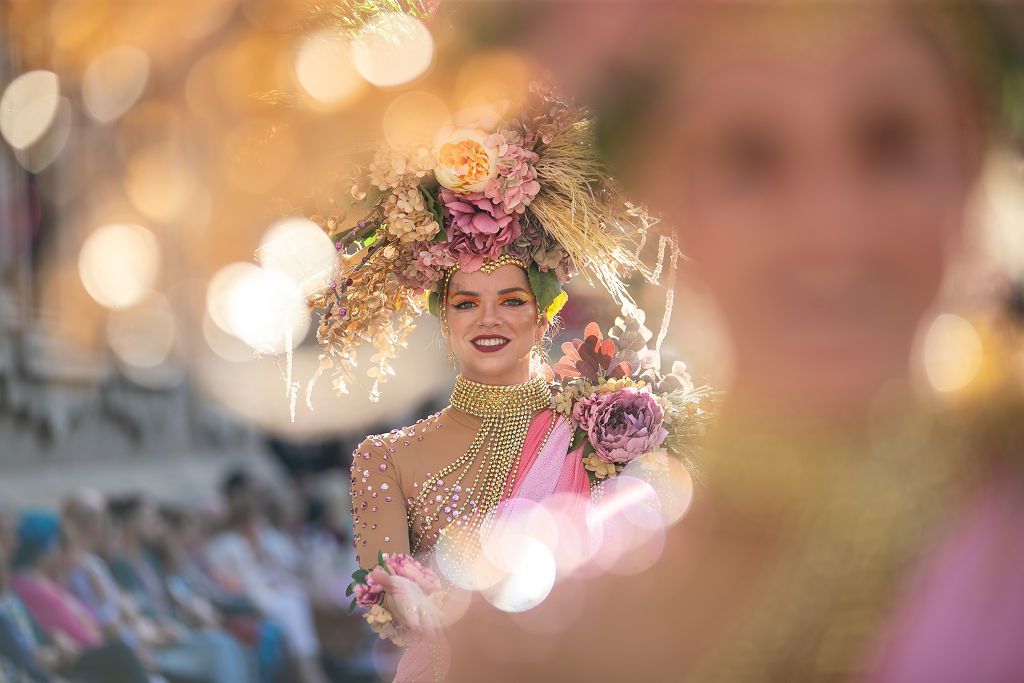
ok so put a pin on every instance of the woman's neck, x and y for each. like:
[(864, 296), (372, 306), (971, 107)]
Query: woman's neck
[(521, 374)]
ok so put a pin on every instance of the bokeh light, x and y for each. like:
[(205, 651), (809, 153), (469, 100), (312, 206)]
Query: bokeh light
[(324, 69), (300, 250), (160, 183), (392, 49), (414, 118), (668, 478), (114, 81), (528, 571), (45, 150), (224, 344), (489, 86), (119, 264), (952, 353), (28, 107), (632, 528), (264, 308)]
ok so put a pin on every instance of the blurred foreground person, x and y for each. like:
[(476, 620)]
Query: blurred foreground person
[(818, 161)]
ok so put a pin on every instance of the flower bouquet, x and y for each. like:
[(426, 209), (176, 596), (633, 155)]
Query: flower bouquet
[(619, 401), (367, 591)]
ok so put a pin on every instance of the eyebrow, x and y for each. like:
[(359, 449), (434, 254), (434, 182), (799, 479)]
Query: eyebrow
[(509, 290)]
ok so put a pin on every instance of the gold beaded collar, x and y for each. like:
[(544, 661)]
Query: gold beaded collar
[(483, 400)]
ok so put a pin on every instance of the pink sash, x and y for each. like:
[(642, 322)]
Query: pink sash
[(547, 468)]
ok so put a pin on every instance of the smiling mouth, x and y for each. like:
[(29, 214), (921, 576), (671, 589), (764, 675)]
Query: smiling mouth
[(490, 344)]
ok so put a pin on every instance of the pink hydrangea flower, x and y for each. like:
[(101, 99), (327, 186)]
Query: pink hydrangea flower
[(516, 183), (424, 265), (621, 425), (407, 567)]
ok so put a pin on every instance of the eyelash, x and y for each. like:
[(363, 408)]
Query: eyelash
[(465, 305)]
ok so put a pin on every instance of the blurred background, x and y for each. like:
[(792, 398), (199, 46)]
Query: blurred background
[(151, 149)]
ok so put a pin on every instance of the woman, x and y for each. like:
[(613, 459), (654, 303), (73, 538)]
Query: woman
[(818, 161), (485, 228)]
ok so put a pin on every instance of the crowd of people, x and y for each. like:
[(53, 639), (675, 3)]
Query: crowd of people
[(124, 589)]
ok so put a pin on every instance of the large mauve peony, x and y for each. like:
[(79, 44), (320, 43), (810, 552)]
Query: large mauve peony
[(621, 425), (407, 567), (478, 230), (369, 593)]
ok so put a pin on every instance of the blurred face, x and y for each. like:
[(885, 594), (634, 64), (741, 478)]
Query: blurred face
[(147, 524), (492, 324), (818, 176)]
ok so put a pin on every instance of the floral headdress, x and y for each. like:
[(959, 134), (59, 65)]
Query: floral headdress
[(527, 188)]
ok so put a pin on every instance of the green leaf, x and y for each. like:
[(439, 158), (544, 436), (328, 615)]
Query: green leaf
[(359, 576), (352, 607), (372, 237), (545, 286), (435, 209), (380, 558), (434, 303), (577, 438), (348, 591)]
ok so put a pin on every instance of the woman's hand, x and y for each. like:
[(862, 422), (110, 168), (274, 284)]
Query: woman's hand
[(410, 605)]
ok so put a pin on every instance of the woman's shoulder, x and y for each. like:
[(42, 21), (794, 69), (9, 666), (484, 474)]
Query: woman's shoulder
[(385, 443)]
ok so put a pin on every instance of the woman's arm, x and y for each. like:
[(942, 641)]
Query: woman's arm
[(378, 504)]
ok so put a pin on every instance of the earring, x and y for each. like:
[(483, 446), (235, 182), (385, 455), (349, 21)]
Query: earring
[(452, 360)]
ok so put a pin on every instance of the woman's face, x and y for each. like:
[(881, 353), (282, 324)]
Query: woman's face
[(492, 324), (817, 171)]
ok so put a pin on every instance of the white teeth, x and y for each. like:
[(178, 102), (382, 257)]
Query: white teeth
[(490, 342)]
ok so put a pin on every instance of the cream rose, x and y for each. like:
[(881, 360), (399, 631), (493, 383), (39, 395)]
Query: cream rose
[(464, 162)]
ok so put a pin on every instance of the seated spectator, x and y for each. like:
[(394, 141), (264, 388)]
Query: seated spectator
[(76, 648), (238, 551), (197, 594), (200, 651)]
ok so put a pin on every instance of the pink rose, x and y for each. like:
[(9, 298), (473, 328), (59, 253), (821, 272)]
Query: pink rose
[(407, 567), (621, 425), (369, 593)]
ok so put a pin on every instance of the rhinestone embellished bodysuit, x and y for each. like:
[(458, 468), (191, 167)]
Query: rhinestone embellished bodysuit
[(448, 469)]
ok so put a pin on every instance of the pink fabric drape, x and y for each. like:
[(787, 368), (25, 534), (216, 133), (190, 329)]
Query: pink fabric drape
[(550, 470)]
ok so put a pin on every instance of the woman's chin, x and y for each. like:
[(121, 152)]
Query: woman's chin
[(498, 368)]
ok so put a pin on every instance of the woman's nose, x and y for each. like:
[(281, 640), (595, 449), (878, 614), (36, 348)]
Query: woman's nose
[(489, 314)]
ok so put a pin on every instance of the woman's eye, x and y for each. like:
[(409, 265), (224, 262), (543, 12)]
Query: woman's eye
[(513, 302), (463, 305), (893, 143)]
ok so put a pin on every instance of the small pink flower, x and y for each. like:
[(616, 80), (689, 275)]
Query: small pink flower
[(407, 567), (369, 593), (621, 425)]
